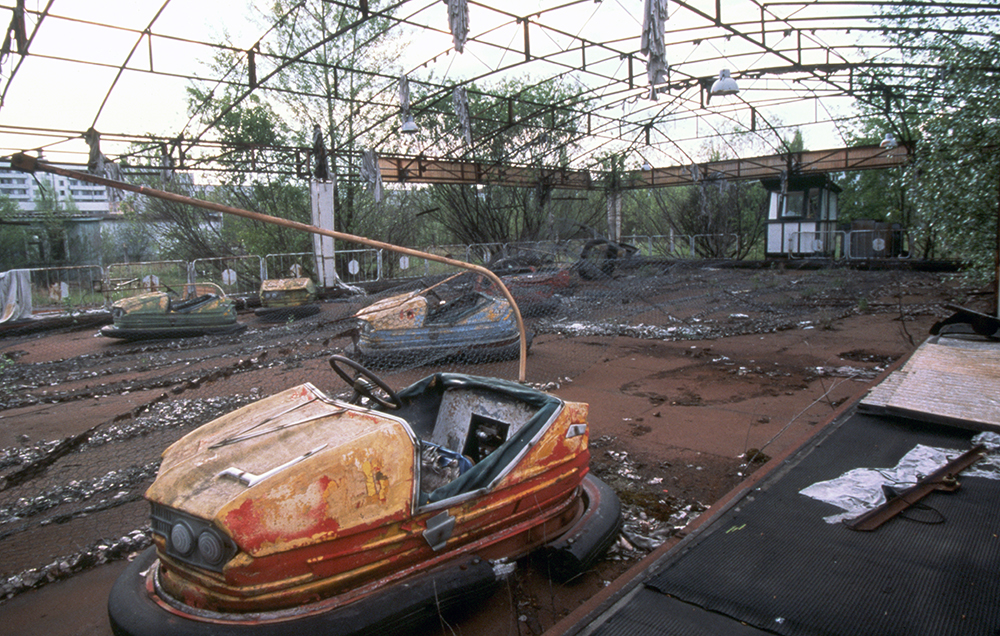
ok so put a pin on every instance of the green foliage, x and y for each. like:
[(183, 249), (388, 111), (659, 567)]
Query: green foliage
[(130, 240), (13, 236), (49, 239), (729, 215), (278, 198), (513, 124), (946, 106), (188, 232), (340, 65)]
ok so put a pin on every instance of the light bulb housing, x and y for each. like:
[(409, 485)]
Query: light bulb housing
[(409, 126), (725, 85)]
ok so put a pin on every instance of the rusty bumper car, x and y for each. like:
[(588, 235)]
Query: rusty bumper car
[(200, 310), (284, 299), (419, 328), (536, 293), (305, 514)]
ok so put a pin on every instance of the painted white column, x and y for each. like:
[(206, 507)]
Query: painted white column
[(321, 193), (614, 200)]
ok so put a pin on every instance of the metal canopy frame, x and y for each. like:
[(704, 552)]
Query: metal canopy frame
[(791, 57)]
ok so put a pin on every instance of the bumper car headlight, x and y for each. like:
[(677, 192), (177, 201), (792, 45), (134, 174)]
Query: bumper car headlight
[(211, 548), (192, 540), (181, 538)]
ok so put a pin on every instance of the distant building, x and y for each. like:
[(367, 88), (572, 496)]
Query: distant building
[(69, 234), (92, 227), (25, 189)]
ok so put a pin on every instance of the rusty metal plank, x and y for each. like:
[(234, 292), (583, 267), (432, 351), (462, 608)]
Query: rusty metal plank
[(423, 169), (772, 166), (429, 170)]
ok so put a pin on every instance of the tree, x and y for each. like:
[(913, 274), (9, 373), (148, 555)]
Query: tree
[(51, 241), (131, 240), (14, 236), (946, 107), (728, 217), (514, 126), (323, 65), (189, 232)]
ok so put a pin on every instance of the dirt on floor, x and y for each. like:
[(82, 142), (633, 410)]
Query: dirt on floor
[(675, 424)]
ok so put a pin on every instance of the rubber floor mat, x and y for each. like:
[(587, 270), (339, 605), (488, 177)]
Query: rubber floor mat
[(772, 561)]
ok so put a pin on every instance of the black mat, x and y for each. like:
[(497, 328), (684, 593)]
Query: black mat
[(649, 613), (773, 562)]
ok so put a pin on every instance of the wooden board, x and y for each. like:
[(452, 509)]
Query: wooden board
[(946, 380)]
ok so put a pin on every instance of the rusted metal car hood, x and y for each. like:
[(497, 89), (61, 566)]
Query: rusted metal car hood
[(291, 469), (152, 302), (287, 292)]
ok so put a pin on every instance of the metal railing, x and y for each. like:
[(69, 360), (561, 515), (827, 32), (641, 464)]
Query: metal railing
[(824, 244), (91, 286), (66, 288), (292, 265), (122, 280), (237, 276), (881, 243), (362, 266)]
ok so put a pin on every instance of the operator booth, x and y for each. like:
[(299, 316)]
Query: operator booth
[(802, 217)]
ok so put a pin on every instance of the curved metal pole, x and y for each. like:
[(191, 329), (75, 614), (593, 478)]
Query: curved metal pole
[(26, 163)]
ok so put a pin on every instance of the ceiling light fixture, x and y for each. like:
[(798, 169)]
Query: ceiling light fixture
[(725, 85)]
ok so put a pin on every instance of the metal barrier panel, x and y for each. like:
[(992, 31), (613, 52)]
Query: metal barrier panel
[(825, 244), (362, 266), (878, 243), (122, 280), (485, 254), (291, 265), (237, 276), (66, 288), (663, 245)]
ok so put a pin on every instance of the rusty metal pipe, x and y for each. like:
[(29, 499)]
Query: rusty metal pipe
[(25, 163)]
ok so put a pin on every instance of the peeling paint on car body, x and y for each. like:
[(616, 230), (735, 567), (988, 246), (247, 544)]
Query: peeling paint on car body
[(340, 508), (287, 292), (204, 308), (410, 326)]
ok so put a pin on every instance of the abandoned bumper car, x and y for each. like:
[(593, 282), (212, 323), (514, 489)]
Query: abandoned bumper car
[(287, 298), (202, 309), (305, 514), (420, 328)]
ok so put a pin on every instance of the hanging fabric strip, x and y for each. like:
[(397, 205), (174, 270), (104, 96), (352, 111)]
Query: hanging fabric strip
[(370, 173), (460, 102), (404, 97), (653, 46), (100, 165), (322, 171), (458, 20)]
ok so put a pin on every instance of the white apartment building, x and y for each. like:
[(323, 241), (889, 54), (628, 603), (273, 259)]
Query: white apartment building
[(24, 189)]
